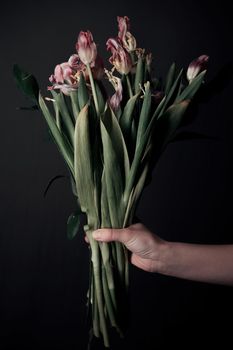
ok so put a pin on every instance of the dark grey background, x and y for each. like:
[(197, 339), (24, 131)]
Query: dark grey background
[(43, 276)]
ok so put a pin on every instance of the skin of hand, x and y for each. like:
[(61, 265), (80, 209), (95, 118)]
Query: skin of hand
[(144, 245), (198, 262)]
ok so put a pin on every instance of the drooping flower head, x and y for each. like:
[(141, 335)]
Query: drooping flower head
[(123, 26), (75, 63), (197, 66), (120, 58), (63, 78), (86, 47), (116, 98), (125, 37), (66, 75)]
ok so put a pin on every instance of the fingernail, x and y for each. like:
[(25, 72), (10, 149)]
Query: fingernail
[(96, 234)]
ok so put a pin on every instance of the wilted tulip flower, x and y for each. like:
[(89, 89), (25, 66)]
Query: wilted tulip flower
[(86, 47), (63, 72), (63, 78), (115, 100), (123, 26), (197, 66), (112, 45), (129, 42), (125, 37), (75, 62), (120, 58), (65, 88)]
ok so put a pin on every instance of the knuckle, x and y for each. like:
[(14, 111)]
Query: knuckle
[(137, 226), (109, 233)]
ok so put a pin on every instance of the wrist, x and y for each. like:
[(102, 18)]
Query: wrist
[(161, 260)]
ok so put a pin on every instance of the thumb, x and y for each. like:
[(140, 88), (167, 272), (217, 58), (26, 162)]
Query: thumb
[(112, 234)]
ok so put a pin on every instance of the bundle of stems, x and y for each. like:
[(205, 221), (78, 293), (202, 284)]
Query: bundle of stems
[(108, 144)]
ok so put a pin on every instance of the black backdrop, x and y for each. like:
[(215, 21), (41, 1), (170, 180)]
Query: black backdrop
[(43, 275)]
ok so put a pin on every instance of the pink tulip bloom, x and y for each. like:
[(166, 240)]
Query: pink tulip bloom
[(63, 72), (86, 47), (52, 79), (63, 78), (123, 26), (75, 62), (120, 58), (113, 45), (125, 37), (197, 66), (122, 61)]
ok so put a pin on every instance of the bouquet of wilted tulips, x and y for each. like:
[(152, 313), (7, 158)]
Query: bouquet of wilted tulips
[(107, 143)]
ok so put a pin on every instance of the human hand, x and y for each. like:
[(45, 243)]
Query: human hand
[(195, 262), (145, 246)]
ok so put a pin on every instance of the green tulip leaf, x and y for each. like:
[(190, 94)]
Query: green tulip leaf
[(110, 122), (67, 121), (105, 214), (59, 138), (73, 224), (83, 162), (116, 163), (171, 95), (75, 103), (83, 95), (139, 76), (100, 97), (126, 118), (166, 126), (135, 196), (26, 82), (170, 78), (192, 88), (145, 114)]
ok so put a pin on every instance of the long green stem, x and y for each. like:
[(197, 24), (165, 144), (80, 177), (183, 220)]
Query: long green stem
[(120, 260), (105, 252), (113, 253), (126, 269), (57, 115), (95, 312), (93, 89), (98, 287), (74, 104), (107, 297), (129, 86), (108, 301)]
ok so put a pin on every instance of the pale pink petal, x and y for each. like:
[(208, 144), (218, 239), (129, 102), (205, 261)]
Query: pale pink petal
[(58, 74), (123, 26), (86, 47), (197, 66)]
